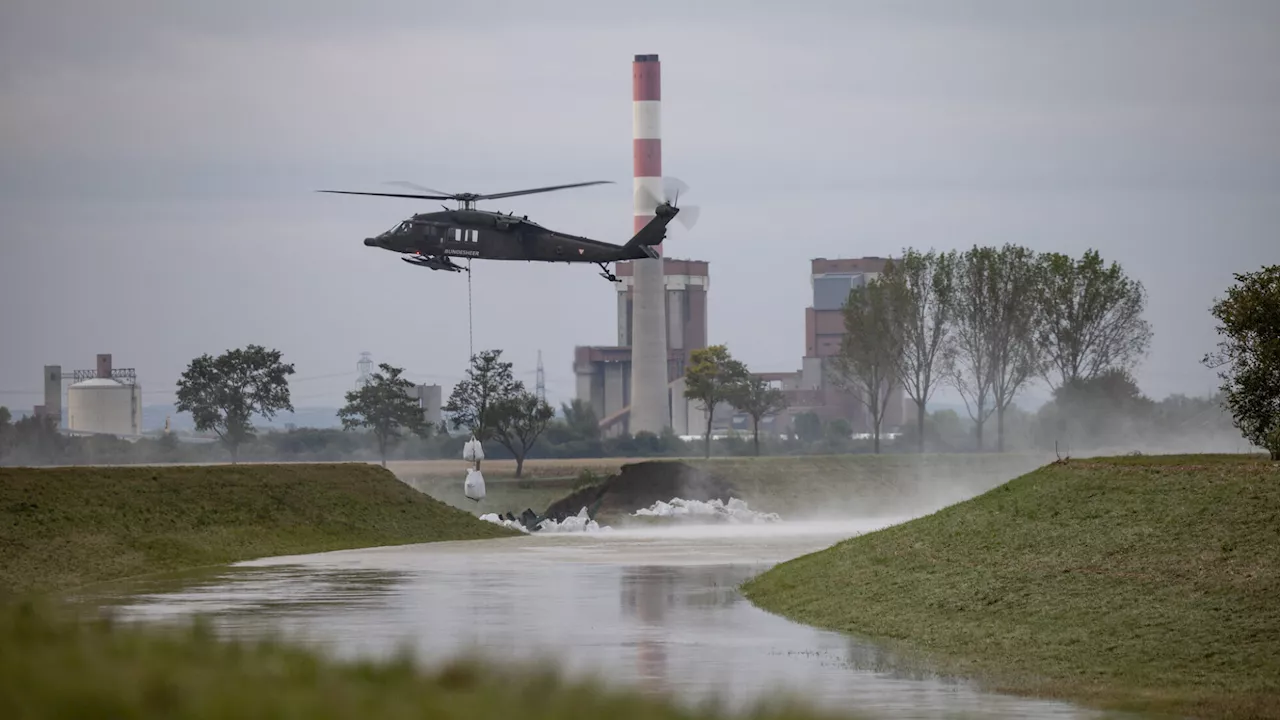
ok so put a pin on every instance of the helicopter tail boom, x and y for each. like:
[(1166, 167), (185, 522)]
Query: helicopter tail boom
[(655, 231)]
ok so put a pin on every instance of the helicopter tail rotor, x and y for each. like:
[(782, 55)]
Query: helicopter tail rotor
[(672, 189)]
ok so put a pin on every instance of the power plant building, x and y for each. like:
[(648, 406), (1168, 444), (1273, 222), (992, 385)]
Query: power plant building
[(812, 389), (637, 385), (431, 399), (604, 373)]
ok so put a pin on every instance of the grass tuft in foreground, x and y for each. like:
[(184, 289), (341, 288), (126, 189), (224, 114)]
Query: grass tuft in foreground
[(65, 527), (1132, 583), (55, 667)]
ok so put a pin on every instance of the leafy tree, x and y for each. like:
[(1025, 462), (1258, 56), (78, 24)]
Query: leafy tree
[(521, 419), (837, 435), (35, 440), (223, 393), (710, 379), (808, 427), (1106, 410), (1249, 355), (1013, 297), (476, 402), (1093, 318), (385, 407), (6, 431), (922, 287), (968, 358), (581, 419), (867, 363), (753, 396)]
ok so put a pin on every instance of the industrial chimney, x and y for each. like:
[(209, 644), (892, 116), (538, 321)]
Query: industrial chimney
[(650, 409)]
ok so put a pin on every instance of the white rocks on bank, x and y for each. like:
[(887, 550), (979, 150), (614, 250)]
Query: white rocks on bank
[(581, 522), (735, 511)]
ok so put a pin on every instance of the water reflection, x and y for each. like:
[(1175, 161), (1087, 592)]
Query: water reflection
[(660, 613)]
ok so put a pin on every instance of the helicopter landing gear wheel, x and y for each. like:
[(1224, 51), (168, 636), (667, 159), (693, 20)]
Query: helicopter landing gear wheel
[(606, 274)]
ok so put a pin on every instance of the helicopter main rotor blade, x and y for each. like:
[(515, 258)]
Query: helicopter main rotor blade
[(415, 186), (394, 195), (513, 193)]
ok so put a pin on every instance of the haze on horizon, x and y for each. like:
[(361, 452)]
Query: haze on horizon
[(159, 163)]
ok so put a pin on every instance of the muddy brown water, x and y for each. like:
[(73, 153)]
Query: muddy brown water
[(656, 609)]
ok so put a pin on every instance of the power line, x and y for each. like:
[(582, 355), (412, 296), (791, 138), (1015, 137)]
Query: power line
[(540, 385)]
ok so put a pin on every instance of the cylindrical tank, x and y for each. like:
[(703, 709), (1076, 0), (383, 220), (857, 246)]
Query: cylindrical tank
[(103, 405)]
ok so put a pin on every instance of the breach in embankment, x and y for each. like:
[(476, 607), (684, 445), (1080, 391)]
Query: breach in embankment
[(1146, 583), (825, 487), (65, 527)]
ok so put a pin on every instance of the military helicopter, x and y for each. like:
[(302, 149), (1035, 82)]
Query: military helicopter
[(432, 239)]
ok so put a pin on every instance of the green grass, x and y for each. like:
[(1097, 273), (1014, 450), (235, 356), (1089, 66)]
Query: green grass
[(65, 527), (53, 667), (1130, 583)]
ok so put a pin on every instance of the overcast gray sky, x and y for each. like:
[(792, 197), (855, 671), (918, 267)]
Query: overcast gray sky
[(159, 158)]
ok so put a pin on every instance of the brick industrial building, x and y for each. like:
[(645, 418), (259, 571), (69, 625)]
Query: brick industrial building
[(604, 373), (810, 389)]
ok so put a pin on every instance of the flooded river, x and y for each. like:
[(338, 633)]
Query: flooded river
[(656, 609)]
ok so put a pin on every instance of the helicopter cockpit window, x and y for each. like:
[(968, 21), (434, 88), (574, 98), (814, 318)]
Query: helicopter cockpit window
[(398, 229)]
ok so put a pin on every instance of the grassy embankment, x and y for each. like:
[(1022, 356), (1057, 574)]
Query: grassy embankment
[(1131, 583), (797, 486), (65, 527)]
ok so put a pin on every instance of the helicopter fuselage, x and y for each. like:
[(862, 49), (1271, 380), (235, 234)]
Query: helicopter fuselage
[(481, 234)]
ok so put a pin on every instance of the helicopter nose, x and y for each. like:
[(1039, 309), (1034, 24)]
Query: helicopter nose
[(370, 242)]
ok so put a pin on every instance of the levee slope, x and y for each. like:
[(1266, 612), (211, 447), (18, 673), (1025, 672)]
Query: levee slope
[(65, 527)]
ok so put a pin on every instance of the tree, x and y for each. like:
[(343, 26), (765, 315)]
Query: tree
[(581, 420), (753, 396), (1093, 318), (476, 402), (869, 353), (808, 427), (223, 393), (521, 419), (1013, 296), (1249, 355), (922, 286), (968, 360), (710, 379), (385, 406), (1107, 410), (6, 431)]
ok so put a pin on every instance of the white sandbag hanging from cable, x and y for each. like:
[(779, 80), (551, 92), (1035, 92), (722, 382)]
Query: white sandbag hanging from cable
[(473, 486), (473, 451)]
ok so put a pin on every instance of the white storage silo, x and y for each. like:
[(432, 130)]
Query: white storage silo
[(103, 405)]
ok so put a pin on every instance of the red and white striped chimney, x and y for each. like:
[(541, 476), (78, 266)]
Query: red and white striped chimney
[(650, 409), (646, 126)]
